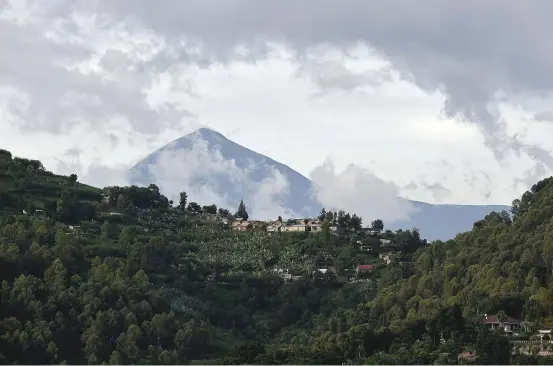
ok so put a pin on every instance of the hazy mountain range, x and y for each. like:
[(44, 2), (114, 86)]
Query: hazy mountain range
[(207, 164)]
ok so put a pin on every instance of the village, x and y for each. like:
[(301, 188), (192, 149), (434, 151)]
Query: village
[(385, 248)]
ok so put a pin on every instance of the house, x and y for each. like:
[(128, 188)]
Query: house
[(294, 228), (386, 257), (286, 276), (274, 228), (324, 270), (258, 224), (467, 356), (115, 214), (509, 326), (364, 268), (544, 335), (241, 226), (385, 242)]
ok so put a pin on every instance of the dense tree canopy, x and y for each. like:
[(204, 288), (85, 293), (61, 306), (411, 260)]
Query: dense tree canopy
[(119, 276)]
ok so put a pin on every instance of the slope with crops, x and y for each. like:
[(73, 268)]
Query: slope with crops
[(121, 275)]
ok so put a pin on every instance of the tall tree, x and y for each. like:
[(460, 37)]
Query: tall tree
[(72, 180), (182, 201), (322, 215), (377, 225), (242, 212)]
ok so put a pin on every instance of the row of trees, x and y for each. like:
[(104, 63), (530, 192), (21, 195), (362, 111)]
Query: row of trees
[(209, 209)]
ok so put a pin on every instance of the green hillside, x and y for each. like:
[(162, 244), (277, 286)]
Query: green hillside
[(121, 275)]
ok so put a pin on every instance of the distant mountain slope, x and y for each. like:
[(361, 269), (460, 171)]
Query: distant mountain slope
[(445, 221), (254, 166), (434, 221)]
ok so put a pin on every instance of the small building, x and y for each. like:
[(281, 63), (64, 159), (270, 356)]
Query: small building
[(509, 326), (385, 242), (467, 356), (241, 226), (294, 228), (386, 257), (364, 268), (274, 228), (322, 270)]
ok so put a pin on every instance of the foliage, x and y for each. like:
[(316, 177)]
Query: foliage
[(119, 276)]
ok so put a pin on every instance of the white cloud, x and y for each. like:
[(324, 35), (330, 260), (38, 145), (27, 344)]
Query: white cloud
[(366, 85), (357, 190), (208, 178), (96, 175)]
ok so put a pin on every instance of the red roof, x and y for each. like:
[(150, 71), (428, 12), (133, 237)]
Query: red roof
[(369, 267), (492, 319)]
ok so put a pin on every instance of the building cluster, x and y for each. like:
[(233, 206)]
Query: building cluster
[(291, 225)]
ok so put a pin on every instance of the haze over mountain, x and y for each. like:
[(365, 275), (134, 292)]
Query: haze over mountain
[(214, 169)]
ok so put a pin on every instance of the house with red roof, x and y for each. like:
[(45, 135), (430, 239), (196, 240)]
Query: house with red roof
[(510, 325), (363, 268)]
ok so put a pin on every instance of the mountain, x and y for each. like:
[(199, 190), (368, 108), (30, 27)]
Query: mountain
[(445, 221), (252, 167), (222, 161)]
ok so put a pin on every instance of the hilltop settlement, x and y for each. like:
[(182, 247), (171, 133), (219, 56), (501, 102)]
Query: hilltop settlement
[(123, 275)]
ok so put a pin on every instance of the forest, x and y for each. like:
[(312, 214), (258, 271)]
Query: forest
[(123, 275)]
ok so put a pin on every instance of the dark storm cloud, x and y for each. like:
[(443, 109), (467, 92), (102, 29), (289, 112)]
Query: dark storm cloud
[(472, 51)]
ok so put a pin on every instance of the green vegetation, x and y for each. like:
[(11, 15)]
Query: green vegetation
[(119, 275)]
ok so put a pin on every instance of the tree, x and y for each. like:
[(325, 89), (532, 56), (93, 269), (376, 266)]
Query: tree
[(72, 180), (194, 207), (182, 201), (210, 209), (126, 236), (356, 222), (242, 213), (322, 215), (223, 212), (532, 310), (501, 317), (377, 225), (104, 236), (325, 227)]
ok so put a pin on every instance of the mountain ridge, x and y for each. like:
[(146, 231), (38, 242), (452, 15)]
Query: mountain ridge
[(435, 221)]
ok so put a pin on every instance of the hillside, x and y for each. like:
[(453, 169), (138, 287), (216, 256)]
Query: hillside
[(239, 172), (121, 276)]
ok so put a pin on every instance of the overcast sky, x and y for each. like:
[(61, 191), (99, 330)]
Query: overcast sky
[(448, 101)]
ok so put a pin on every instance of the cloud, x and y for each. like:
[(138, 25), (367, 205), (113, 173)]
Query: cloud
[(210, 178), (96, 175), (82, 68), (357, 190), (439, 192), (132, 71), (478, 54)]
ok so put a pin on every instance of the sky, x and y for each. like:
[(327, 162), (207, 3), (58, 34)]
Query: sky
[(443, 102)]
